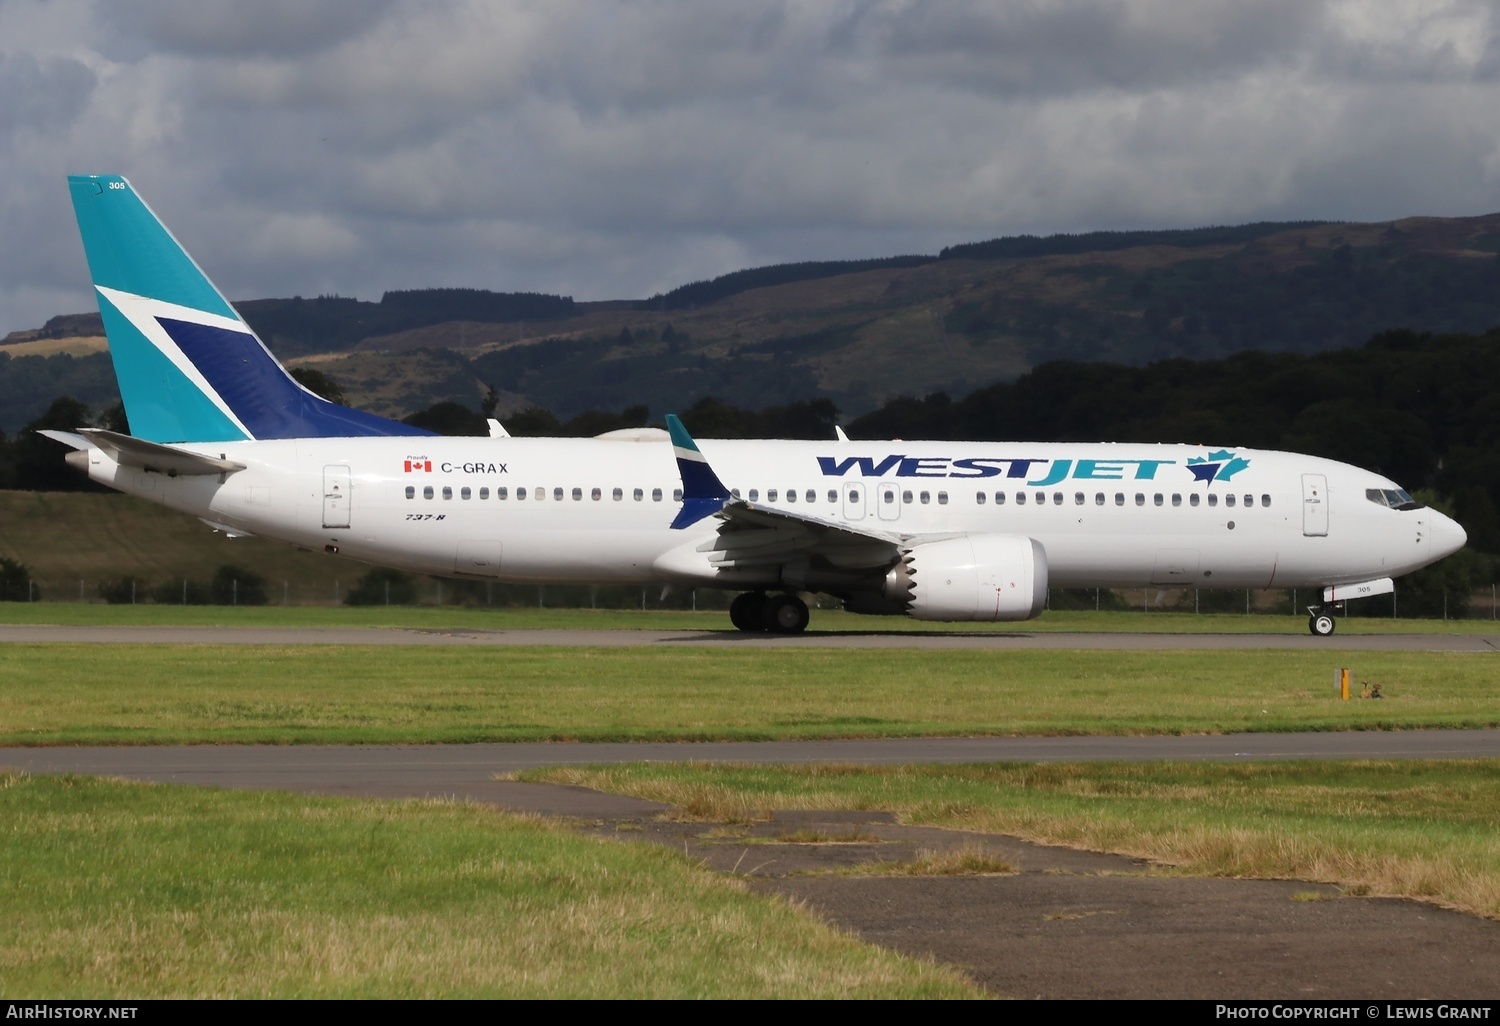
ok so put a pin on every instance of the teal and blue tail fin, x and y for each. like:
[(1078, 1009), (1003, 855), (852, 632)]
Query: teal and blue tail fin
[(190, 369), (703, 494)]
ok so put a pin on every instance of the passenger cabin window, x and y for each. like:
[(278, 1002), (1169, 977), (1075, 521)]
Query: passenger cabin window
[(978, 497), (1177, 498), (520, 495), (596, 495), (557, 493), (942, 498), (1249, 500), (502, 493), (771, 494), (1157, 499), (464, 493), (755, 495), (656, 495), (411, 491), (926, 498), (1193, 499), (1078, 498), (1229, 501), (1213, 500), (618, 494), (1265, 500), (1020, 498), (676, 494), (1140, 499), (1119, 498), (484, 493), (1098, 498), (447, 492), (427, 492), (999, 498), (906, 498), (791, 495), (539, 494), (639, 495), (1057, 498), (578, 495)]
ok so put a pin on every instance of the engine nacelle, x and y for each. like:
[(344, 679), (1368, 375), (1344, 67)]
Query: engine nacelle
[(988, 577)]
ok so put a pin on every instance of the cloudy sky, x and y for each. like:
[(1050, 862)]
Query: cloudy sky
[(614, 149)]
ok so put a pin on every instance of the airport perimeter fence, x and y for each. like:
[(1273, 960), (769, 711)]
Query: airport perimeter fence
[(231, 586)]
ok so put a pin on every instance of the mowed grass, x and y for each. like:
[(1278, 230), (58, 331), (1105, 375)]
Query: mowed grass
[(119, 890), (140, 694), (1420, 829), (497, 618)]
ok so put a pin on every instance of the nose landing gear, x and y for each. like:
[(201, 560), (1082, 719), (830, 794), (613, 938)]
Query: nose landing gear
[(778, 614), (1320, 620)]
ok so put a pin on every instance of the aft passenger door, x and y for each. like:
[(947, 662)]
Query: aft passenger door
[(1314, 505), (336, 496)]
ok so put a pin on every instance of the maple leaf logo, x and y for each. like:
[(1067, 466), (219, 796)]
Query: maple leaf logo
[(1216, 466)]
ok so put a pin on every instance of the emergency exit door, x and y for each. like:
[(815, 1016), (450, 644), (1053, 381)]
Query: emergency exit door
[(336, 496), (1314, 505)]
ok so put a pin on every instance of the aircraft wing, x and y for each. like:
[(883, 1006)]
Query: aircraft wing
[(751, 535)]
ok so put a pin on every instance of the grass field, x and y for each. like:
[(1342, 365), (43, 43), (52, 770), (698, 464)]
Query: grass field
[(116, 890), (461, 618), (1421, 829), (140, 694)]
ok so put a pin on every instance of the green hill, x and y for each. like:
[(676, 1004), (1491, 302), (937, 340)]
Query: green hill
[(862, 332)]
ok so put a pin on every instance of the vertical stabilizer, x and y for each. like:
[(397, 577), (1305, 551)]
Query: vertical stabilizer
[(190, 369)]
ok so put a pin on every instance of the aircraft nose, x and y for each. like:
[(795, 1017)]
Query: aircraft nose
[(1448, 536)]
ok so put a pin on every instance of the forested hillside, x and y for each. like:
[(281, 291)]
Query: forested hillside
[(859, 333)]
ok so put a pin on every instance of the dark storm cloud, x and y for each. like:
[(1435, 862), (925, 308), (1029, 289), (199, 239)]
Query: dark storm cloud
[(611, 149), (232, 28), (41, 95), (1068, 46)]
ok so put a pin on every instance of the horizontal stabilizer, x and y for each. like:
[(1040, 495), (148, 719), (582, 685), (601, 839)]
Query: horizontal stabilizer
[(137, 452)]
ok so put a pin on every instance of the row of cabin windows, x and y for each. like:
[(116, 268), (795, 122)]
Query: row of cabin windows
[(810, 495), (539, 494), (1157, 499), (639, 494)]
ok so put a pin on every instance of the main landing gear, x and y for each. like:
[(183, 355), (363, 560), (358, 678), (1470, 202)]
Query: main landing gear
[(1320, 620), (778, 614)]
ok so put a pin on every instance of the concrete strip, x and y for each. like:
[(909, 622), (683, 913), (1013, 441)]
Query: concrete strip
[(468, 771)]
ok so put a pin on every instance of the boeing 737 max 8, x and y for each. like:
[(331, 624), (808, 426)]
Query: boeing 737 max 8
[(933, 530)]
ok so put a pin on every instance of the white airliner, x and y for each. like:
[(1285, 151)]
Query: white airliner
[(965, 531)]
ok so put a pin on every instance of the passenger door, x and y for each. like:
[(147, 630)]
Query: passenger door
[(1314, 505), (336, 487)]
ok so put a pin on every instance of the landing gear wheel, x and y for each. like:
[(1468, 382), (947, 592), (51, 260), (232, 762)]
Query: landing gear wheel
[(785, 614), (747, 611), (1321, 624)]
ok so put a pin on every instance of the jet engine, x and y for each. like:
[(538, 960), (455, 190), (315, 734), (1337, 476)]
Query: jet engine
[(987, 577)]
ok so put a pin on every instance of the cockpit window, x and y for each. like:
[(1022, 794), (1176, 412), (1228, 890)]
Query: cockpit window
[(1395, 498)]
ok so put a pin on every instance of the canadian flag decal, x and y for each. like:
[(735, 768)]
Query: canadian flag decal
[(418, 465)]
